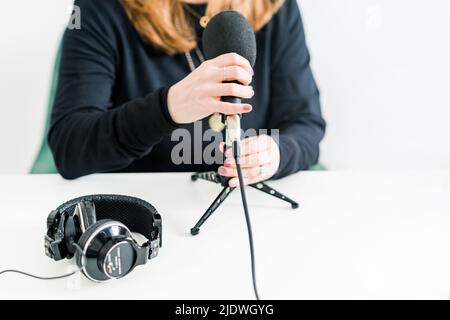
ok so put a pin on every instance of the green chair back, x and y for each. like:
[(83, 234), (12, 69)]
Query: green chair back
[(317, 167), (44, 162)]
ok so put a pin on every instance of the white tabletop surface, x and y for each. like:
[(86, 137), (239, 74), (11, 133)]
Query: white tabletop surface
[(356, 235)]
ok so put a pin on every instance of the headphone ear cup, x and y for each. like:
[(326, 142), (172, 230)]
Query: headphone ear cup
[(85, 237), (89, 213), (83, 217), (71, 234), (93, 241)]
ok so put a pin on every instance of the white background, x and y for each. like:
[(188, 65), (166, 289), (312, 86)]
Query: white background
[(382, 66)]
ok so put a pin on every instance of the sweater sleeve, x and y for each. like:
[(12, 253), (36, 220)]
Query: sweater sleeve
[(87, 133), (295, 102)]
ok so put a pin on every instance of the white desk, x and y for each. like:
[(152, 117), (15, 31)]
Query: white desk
[(355, 236)]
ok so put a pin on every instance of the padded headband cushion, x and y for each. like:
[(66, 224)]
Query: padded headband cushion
[(135, 213)]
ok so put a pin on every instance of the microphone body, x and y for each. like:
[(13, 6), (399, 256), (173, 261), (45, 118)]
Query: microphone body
[(227, 32)]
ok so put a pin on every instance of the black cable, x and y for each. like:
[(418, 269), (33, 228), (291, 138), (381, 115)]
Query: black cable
[(49, 278), (236, 154)]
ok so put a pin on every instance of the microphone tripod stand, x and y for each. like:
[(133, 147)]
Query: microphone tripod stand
[(233, 138)]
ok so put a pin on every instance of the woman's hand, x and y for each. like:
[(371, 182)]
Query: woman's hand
[(260, 159), (198, 95)]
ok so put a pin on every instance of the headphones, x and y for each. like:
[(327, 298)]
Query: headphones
[(97, 230)]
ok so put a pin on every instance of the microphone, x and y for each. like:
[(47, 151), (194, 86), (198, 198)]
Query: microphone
[(229, 31), (226, 32)]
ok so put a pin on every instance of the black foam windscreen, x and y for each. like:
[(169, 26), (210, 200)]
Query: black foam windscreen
[(229, 31)]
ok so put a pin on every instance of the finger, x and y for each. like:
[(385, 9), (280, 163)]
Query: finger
[(234, 182), (227, 172), (251, 172), (248, 146), (222, 146), (248, 181), (256, 144), (266, 174), (232, 59), (262, 177), (234, 73), (232, 90), (231, 108), (251, 160)]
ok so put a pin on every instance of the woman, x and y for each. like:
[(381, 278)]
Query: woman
[(134, 73)]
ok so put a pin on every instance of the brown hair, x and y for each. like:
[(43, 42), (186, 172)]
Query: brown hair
[(165, 25)]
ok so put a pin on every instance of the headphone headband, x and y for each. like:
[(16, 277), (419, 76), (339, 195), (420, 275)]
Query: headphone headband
[(134, 213)]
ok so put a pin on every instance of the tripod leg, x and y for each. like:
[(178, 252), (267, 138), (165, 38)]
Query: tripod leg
[(217, 202), (265, 188), (211, 176)]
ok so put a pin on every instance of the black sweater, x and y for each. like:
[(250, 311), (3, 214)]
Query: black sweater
[(110, 111)]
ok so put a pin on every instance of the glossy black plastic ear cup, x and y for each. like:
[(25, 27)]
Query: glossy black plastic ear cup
[(77, 223), (72, 233), (108, 251), (89, 213)]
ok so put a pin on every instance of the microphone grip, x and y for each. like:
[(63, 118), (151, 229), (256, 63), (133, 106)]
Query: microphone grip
[(232, 100)]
